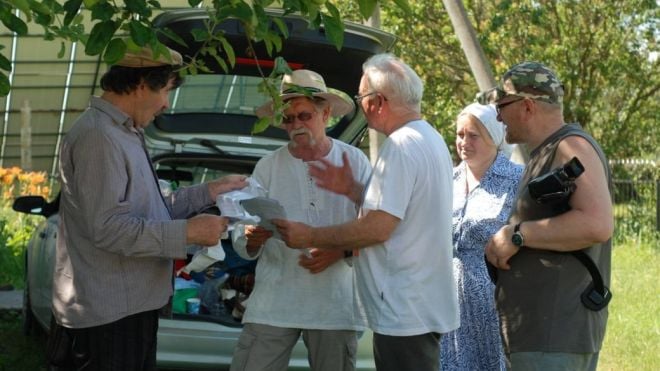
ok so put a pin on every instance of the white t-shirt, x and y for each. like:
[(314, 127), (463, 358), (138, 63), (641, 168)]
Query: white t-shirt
[(406, 284), (285, 294)]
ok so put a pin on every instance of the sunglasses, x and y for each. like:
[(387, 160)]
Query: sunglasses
[(498, 107), (358, 98), (303, 116)]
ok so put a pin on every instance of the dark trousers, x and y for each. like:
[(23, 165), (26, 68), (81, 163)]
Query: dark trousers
[(407, 353), (128, 344)]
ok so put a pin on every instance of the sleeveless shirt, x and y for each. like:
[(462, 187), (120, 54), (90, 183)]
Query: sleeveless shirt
[(538, 299)]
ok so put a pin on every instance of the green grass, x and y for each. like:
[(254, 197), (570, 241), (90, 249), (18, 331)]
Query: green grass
[(632, 341)]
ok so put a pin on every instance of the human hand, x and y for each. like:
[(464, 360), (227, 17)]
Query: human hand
[(319, 259), (256, 237), (337, 179), (226, 184), (295, 235), (205, 229), (500, 248)]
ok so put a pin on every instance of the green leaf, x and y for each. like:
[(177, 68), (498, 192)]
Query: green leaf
[(60, 54), (138, 7), (202, 67), (5, 64), (115, 51), (277, 42), (313, 12), (103, 12), (99, 37), (194, 3), (281, 67), (221, 62), (261, 125), (160, 49), (4, 85), (71, 7), (40, 8), (231, 56), (14, 23), (367, 7), (282, 27), (243, 12), (268, 44), (140, 33), (199, 34), (89, 4), (403, 4), (77, 20), (172, 36), (192, 69), (334, 27), (24, 7)]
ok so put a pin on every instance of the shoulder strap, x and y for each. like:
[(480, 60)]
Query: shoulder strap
[(596, 296)]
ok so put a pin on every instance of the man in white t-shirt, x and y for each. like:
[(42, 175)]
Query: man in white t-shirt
[(404, 273), (306, 292)]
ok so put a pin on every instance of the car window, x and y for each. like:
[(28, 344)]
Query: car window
[(232, 94), (224, 94)]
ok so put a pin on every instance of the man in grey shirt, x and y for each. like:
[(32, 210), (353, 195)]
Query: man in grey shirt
[(118, 235)]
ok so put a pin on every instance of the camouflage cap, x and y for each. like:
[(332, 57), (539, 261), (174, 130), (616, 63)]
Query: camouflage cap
[(526, 79)]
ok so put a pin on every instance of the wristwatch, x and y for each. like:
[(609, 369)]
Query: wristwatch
[(517, 237)]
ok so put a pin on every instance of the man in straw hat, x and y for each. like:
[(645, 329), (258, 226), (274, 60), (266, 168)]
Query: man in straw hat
[(545, 323), (295, 292), (117, 234), (404, 268)]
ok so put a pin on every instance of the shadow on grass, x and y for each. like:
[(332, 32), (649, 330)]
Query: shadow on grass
[(17, 351)]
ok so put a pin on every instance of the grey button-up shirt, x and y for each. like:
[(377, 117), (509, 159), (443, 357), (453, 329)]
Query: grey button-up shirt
[(117, 235)]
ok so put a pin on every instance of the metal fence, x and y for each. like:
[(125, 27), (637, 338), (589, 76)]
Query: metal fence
[(636, 199)]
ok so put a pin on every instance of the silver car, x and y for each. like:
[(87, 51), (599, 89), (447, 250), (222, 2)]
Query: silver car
[(205, 134)]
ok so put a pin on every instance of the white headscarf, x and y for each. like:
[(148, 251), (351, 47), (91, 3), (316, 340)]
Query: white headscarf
[(487, 116)]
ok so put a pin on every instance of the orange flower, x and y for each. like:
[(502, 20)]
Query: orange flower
[(15, 170), (37, 178), (8, 179)]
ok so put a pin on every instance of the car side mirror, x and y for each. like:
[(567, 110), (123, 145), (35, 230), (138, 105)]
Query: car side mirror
[(35, 205)]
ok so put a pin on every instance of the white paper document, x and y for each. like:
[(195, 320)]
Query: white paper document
[(204, 258), (266, 209), (230, 207)]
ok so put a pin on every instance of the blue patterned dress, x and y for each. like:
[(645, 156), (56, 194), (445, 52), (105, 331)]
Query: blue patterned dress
[(478, 215)]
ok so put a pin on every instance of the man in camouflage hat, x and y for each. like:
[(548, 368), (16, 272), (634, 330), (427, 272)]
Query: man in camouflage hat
[(117, 235), (545, 322)]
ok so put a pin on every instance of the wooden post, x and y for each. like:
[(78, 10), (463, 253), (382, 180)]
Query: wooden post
[(376, 139), (26, 136), (476, 59)]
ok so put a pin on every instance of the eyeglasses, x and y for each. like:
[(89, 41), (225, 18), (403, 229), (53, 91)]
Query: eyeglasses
[(303, 116), (358, 98), (498, 107)]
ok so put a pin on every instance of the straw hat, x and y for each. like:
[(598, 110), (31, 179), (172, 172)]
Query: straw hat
[(314, 84), (145, 58)]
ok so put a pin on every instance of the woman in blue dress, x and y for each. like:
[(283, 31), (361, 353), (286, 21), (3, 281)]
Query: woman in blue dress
[(485, 185)]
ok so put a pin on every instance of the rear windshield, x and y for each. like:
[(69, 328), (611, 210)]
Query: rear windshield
[(224, 94), (231, 94)]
